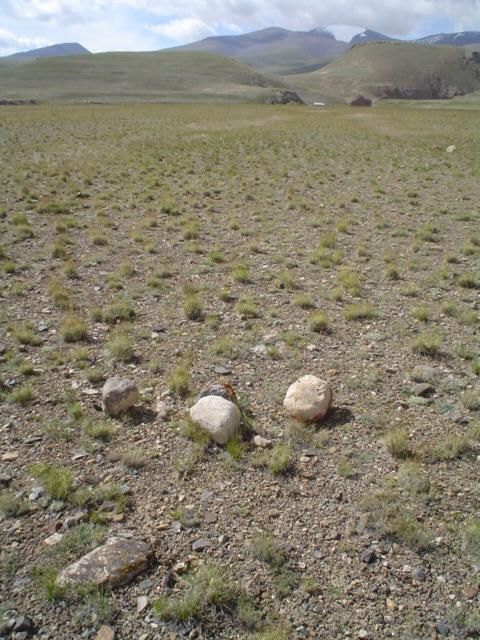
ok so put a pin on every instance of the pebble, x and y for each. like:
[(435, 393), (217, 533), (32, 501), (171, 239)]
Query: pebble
[(368, 556), (10, 456), (53, 539), (105, 633), (5, 479), (418, 574), (201, 544), (362, 634), (36, 493), (142, 603), (443, 629), (221, 371), (25, 624), (261, 443)]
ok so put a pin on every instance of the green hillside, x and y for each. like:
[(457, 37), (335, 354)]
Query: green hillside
[(160, 76), (393, 70)]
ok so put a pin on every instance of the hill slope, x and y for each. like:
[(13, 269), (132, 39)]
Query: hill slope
[(274, 50), (461, 39), (53, 51), (393, 70), (161, 76)]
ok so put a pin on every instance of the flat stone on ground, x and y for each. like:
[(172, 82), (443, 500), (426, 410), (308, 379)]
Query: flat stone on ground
[(115, 563)]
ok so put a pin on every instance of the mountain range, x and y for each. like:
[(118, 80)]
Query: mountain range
[(332, 63)]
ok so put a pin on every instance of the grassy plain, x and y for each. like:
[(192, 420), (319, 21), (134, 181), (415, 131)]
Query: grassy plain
[(161, 242)]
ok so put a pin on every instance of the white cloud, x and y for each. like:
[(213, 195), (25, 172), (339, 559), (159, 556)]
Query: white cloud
[(183, 29), (10, 42)]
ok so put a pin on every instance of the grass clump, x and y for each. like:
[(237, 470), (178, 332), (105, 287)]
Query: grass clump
[(74, 330), (427, 344), (267, 550), (102, 430), (470, 400), (12, 506), (227, 347), (364, 311), (318, 322), (397, 444), (121, 347), (451, 447), (192, 307), (56, 480), (281, 459), (26, 336), (472, 540), (22, 395), (118, 311), (248, 309), (469, 281), (179, 382), (209, 587), (240, 274), (304, 301)]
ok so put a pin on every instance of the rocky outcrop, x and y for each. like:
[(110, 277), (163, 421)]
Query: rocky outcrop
[(284, 97), (360, 101)]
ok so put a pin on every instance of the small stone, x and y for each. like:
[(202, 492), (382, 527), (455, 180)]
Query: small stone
[(219, 417), (418, 574), (105, 633), (422, 389), (469, 592), (142, 603), (23, 623), (163, 409), (308, 399), (36, 493), (221, 371), (53, 539), (451, 148), (201, 544), (260, 350), (362, 634), (114, 563), (443, 629), (118, 395), (5, 479), (210, 518), (391, 606), (221, 390), (368, 556), (10, 456), (262, 443)]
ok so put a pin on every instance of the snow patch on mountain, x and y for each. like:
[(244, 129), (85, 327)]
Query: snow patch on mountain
[(345, 32)]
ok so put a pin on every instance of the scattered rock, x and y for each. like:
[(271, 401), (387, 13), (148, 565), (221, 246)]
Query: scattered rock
[(53, 539), (223, 390), (5, 479), (308, 399), (222, 371), (105, 633), (422, 389), (260, 350), (262, 443), (113, 564), (418, 574), (201, 544), (360, 101), (220, 417), (443, 629), (451, 148), (284, 97), (23, 624), (368, 556), (36, 493), (163, 409), (10, 456), (119, 395), (142, 603)]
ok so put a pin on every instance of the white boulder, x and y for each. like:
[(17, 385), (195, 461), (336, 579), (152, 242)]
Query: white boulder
[(119, 394), (220, 417), (308, 399)]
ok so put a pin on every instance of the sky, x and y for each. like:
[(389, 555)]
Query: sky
[(145, 25)]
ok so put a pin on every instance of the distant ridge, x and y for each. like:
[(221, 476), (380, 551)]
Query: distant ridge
[(52, 51), (461, 39)]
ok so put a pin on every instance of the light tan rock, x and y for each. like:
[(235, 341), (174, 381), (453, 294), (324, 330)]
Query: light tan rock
[(119, 394), (220, 417), (114, 563), (308, 399)]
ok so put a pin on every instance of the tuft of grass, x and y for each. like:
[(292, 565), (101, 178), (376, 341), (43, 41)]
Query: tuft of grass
[(192, 307), (227, 347), (209, 587), (74, 330), (427, 344), (363, 311), (25, 335), (268, 550), (413, 479), (118, 311), (451, 447), (56, 480), (240, 274), (422, 313), (236, 448), (13, 506), (121, 347), (247, 308), (397, 444), (318, 322), (179, 381), (103, 430), (470, 400), (281, 459), (22, 395), (304, 301), (472, 540), (469, 281), (45, 578)]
